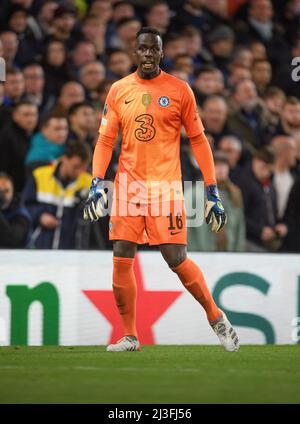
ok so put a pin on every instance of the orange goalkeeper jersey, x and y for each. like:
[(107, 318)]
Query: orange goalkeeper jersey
[(149, 114)]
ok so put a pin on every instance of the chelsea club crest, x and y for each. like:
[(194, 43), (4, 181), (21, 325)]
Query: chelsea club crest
[(164, 101)]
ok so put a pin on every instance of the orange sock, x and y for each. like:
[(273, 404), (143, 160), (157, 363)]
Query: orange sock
[(124, 287), (193, 280)]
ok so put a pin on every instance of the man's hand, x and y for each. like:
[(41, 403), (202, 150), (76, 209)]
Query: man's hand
[(97, 201), (214, 211), (48, 221)]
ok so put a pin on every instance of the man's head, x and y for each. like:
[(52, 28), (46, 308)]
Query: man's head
[(215, 113), (285, 149), (148, 52), (83, 53), (261, 10), (184, 62), (232, 147), (245, 94), (55, 128), (71, 92), (159, 15), (91, 75), (17, 20), (74, 161), (274, 99), (261, 73), (34, 79), (238, 72), (14, 85), (207, 80), (193, 40), (122, 9), (174, 45), (6, 190), (55, 53), (127, 29), (221, 166), (262, 164), (64, 20), (25, 115), (82, 115), (221, 41), (291, 113), (10, 45), (119, 63)]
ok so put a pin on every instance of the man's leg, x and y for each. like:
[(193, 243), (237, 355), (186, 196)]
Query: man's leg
[(124, 284), (193, 280), (191, 277)]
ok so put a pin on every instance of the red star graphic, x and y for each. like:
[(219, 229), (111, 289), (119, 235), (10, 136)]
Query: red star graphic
[(151, 305)]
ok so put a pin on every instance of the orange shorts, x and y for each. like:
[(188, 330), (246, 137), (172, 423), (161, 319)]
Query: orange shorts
[(155, 224)]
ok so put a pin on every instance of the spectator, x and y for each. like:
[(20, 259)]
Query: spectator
[(193, 12), (10, 44), (259, 26), (232, 147), (232, 237), (184, 62), (258, 50), (262, 229), (158, 16), (221, 42), (90, 76), (84, 52), (15, 141), (274, 99), (48, 144), (206, 83), (64, 25), (215, 115), (14, 87), (14, 219), (194, 46), (292, 220), (249, 120), (45, 16), (55, 66), (126, 30), (261, 75), (237, 73), (93, 30), (242, 55), (34, 79), (174, 45), (290, 118), (83, 124), (102, 9), (285, 150), (72, 92), (120, 10), (29, 42), (119, 64), (52, 197)]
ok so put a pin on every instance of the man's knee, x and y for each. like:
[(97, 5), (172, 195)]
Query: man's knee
[(174, 255), (124, 249)]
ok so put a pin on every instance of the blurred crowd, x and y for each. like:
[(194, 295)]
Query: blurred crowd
[(62, 58)]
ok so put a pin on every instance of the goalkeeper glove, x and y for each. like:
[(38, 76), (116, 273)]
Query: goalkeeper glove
[(214, 210), (97, 201)]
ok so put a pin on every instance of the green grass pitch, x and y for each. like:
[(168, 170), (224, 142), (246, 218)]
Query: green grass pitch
[(158, 374)]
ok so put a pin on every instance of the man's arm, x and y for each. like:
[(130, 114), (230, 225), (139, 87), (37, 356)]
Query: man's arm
[(97, 198), (13, 233)]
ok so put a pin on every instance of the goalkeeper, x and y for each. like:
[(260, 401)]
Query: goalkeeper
[(149, 106)]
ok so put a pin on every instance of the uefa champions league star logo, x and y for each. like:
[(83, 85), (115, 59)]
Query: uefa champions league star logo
[(164, 101)]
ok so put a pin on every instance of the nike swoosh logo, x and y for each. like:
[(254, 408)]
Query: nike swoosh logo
[(173, 234), (128, 101)]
